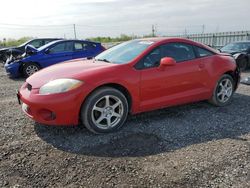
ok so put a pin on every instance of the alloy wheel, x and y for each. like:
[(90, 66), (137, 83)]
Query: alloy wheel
[(107, 112), (225, 90), (31, 69)]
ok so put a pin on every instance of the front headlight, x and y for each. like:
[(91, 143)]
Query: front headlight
[(60, 86)]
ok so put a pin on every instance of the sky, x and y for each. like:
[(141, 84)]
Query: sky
[(55, 18)]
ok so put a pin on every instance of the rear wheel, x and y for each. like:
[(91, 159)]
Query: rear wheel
[(223, 91), (29, 69), (105, 110)]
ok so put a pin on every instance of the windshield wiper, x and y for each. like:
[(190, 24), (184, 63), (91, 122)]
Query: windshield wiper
[(105, 60)]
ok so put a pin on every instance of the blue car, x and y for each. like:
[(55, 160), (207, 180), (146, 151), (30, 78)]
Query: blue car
[(50, 54)]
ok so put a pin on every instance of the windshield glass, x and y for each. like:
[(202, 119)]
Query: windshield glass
[(25, 43), (236, 47), (46, 45), (124, 53)]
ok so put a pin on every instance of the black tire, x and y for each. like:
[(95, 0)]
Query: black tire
[(29, 69), (243, 64), (98, 99), (216, 99)]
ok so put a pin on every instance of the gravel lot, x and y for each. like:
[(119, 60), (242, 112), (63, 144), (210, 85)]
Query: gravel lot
[(195, 145)]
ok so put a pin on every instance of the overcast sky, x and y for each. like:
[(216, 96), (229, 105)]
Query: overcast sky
[(55, 18)]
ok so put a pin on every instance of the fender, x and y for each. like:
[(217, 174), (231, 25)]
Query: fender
[(238, 56)]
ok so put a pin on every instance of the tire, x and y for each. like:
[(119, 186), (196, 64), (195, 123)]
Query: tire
[(100, 116), (29, 69), (223, 91), (243, 64)]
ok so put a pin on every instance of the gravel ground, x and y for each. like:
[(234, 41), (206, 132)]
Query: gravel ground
[(195, 145)]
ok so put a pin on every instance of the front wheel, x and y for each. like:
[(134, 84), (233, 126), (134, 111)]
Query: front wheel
[(105, 110), (29, 69), (223, 91)]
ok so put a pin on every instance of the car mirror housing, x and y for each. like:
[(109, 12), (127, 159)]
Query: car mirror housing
[(167, 61)]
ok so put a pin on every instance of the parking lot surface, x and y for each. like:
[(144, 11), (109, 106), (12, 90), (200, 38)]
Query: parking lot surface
[(195, 145)]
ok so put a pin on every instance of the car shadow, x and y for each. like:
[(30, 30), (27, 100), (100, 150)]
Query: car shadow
[(157, 131)]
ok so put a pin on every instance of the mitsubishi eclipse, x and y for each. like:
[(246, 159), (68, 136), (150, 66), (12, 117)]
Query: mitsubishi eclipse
[(132, 77)]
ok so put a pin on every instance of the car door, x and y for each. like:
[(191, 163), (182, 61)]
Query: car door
[(60, 52), (182, 83), (81, 50)]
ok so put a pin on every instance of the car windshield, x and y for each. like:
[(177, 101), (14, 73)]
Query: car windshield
[(25, 43), (236, 47), (124, 53), (47, 45)]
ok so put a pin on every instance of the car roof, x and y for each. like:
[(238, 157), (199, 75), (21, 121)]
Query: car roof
[(74, 40), (158, 40)]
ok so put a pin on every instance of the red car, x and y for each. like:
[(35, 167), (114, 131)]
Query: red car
[(133, 77)]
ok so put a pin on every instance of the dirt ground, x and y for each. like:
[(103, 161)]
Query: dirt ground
[(195, 145)]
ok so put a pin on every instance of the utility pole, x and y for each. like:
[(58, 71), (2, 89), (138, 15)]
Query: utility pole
[(185, 32), (75, 30), (203, 29), (153, 30)]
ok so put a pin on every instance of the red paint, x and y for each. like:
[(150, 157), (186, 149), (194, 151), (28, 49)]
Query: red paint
[(150, 89)]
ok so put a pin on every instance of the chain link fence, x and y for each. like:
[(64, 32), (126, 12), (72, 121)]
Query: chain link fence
[(218, 40), (215, 40)]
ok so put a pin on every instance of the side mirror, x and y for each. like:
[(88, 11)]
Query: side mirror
[(167, 61), (47, 51)]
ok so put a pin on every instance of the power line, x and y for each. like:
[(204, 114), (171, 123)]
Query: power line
[(19, 25)]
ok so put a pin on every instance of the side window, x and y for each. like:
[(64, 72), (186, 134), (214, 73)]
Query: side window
[(78, 46), (62, 47), (178, 51), (68, 46), (90, 46), (36, 43), (152, 59), (201, 52)]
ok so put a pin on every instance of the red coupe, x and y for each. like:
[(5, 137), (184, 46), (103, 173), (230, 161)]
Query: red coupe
[(132, 77)]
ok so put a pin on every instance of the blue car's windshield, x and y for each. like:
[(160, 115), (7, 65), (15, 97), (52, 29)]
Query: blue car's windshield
[(47, 45), (124, 53), (25, 43)]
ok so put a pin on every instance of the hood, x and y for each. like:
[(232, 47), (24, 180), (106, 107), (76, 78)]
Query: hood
[(76, 69), (230, 52), (4, 49)]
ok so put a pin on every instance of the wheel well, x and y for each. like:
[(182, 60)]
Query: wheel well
[(22, 64), (243, 56), (115, 86), (235, 78), (121, 89)]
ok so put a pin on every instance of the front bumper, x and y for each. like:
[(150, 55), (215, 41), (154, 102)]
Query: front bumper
[(56, 109), (12, 69)]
